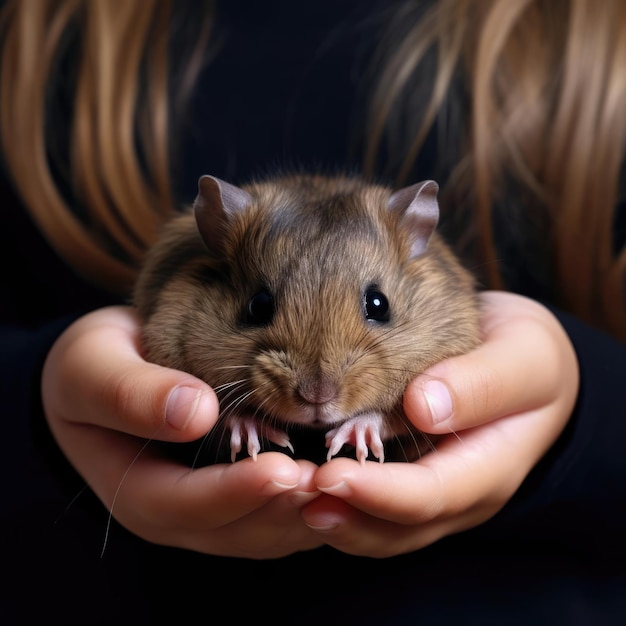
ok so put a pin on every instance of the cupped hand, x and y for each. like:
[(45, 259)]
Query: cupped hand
[(105, 405), (499, 409)]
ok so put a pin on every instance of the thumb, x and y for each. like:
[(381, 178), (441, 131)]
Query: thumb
[(95, 375), (524, 362)]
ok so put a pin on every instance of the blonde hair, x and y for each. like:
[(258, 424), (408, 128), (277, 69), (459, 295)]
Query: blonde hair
[(103, 207), (543, 83)]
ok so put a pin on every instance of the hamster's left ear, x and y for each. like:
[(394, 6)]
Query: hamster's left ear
[(419, 212)]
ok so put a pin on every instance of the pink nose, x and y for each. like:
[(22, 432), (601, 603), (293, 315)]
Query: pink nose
[(317, 391)]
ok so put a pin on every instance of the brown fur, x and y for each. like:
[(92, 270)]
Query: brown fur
[(316, 244)]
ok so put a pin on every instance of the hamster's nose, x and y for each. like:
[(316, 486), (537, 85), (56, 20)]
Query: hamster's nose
[(317, 391)]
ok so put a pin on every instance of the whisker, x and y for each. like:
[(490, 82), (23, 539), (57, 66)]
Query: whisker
[(236, 402), (119, 487), (232, 367), (231, 387), (453, 432), (70, 504)]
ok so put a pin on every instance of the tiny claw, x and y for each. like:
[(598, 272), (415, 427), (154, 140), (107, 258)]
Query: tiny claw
[(243, 428), (248, 428), (361, 454), (361, 443), (363, 432), (279, 437), (375, 443), (254, 446), (235, 440), (335, 440)]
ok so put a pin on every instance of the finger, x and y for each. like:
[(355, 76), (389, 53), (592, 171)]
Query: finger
[(243, 509), (238, 509), (96, 375), (354, 532), (383, 510), (524, 362), (142, 489), (210, 497), (478, 470), (272, 531)]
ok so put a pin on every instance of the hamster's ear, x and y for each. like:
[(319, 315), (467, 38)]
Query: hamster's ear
[(217, 201), (419, 211)]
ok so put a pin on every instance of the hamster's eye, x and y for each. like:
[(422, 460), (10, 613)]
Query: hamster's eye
[(260, 311), (376, 305)]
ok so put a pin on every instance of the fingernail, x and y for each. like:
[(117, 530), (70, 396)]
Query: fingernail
[(324, 523), (181, 406), (300, 498), (340, 490), (439, 400), (274, 487), (324, 528)]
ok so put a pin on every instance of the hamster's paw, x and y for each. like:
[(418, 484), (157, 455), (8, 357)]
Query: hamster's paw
[(249, 430), (364, 432)]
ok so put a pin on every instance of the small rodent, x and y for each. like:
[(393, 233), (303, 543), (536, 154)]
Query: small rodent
[(307, 302)]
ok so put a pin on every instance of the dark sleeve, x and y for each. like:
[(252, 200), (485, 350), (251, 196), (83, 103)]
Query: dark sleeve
[(40, 296), (575, 499), (32, 449), (52, 527)]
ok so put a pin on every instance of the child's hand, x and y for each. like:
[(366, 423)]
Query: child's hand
[(510, 400), (104, 404)]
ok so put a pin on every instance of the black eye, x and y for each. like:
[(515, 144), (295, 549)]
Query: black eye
[(260, 310), (376, 306)]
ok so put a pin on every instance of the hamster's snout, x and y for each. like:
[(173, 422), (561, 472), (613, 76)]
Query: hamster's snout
[(318, 391)]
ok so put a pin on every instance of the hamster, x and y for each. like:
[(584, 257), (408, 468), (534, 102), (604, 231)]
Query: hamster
[(308, 302)]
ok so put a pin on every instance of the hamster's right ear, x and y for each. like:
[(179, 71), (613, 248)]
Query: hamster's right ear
[(216, 203)]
